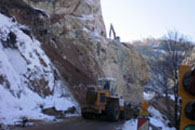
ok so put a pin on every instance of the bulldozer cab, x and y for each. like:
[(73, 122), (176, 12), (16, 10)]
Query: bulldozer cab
[(107, 84), (102, 99)]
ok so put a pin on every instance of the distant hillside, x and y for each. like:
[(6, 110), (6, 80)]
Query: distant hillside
[(160, 55)]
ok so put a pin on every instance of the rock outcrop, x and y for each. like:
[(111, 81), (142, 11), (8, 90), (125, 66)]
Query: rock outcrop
[(69, 16), (29, 81), (73, 34)]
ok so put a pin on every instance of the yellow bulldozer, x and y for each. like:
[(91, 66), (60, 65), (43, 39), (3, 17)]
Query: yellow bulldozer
[(103, 100)]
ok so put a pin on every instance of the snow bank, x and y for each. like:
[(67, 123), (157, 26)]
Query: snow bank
[(130, 125), (24, 66), (148, 95), (156, 119)]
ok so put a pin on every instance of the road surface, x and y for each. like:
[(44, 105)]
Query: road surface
[(74, 123)]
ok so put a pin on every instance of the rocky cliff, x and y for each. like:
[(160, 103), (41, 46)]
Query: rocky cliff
[(29, 82), (73, 35)]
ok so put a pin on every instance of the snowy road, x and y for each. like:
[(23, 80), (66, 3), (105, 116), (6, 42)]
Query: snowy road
[(75, 123)]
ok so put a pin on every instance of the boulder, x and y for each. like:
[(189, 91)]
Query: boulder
[(53, 112)]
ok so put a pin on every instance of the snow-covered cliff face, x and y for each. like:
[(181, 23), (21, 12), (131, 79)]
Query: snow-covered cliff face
[(72, 34), (28, 80)]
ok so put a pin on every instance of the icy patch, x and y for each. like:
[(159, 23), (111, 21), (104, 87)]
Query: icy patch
[(148, 95), (130, 125), (157, 120), (170, 96)]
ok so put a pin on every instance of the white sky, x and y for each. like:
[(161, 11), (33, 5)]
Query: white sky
[(139, 19)]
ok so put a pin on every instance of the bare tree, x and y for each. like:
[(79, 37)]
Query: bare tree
[(161, 73), (164, 57), (176, 48)]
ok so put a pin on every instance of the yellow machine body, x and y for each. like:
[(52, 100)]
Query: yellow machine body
[(100, 98)]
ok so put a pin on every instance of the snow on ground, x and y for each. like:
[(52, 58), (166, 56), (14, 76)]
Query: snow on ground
[(171, 96), (148, 95), (23, 67), (130, 125), (156, 119)]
